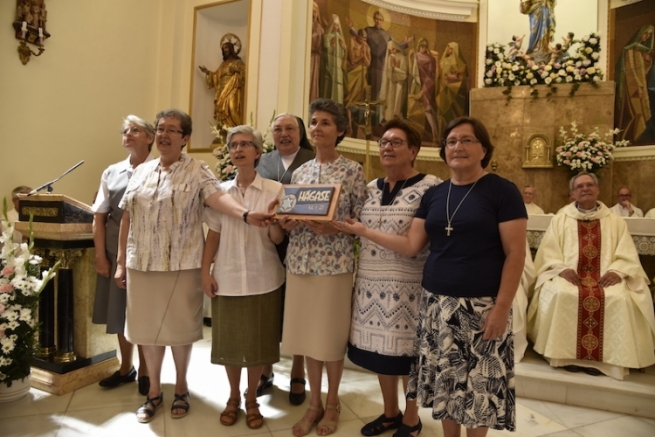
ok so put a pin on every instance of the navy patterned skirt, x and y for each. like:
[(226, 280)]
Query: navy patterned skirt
[(458, 374)]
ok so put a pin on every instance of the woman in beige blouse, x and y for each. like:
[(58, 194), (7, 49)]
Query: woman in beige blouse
[(160, 254)]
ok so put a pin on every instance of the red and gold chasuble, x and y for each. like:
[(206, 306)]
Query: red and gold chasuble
[(591, 297)]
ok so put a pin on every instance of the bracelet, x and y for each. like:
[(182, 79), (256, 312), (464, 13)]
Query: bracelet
[(245, 216)]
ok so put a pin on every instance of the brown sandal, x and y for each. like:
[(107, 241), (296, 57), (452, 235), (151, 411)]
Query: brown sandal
[(229, 417), (331, 425), (252, 418), (306, 427)]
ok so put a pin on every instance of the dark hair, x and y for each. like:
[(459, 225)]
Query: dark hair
[(378, 13), (183, 117), (480, 133), (413, 137), (338, 111), (304, 141)]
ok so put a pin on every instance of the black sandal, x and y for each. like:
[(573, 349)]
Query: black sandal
[(297, 398), (181, 402), (149, 408), (406, 430), (377, 427)]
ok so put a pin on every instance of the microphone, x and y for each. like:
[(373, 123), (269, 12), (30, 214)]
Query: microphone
[(48, 185)]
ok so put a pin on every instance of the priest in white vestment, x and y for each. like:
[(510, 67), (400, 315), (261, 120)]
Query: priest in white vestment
[(520, 306), (591, 307), (529, 196)]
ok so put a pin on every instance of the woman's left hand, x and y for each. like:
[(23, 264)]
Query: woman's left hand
[(321, 228), (495, 324)]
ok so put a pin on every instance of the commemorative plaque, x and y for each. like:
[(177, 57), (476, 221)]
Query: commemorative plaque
[(309, 202)]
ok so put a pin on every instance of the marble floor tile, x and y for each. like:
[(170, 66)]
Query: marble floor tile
[(94, 411), (569, 415), (39, 425), (623, 426)]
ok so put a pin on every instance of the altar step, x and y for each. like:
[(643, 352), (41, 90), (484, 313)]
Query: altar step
[(635, 395)]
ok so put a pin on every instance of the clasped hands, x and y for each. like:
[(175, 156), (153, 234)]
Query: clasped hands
[(607, 280)]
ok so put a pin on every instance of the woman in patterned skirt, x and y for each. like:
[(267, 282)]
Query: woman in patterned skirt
[(388, 286), (475, 224)]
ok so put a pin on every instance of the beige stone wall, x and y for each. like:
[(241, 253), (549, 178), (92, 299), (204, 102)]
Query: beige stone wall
[(512, 123)]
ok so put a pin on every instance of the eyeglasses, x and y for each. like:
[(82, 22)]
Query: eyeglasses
[(243, 144), (452, 142), (395, 143), (131, 131), (161, 131)]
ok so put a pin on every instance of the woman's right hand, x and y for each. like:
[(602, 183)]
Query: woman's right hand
[(103, 266), (350, 226), (121, 276), (209, 286), (288, 224)]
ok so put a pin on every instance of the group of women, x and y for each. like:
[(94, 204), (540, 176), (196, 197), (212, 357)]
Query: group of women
[(439, 264)]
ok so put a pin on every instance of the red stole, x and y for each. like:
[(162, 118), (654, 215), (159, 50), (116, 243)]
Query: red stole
[(591, 297)]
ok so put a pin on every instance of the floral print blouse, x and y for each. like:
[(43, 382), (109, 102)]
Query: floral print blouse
[(312, 254)]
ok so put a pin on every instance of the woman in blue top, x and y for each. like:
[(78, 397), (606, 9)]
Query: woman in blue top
[(475, 224)]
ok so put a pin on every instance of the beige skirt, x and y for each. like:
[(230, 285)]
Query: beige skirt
[(164, 308), (317, 316)]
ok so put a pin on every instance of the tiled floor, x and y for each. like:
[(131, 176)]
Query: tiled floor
[(93, 411)]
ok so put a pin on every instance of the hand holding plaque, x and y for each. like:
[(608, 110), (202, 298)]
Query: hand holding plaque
[(316, 202)]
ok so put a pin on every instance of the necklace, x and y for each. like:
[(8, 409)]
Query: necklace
[(390, 202), (449, 228)]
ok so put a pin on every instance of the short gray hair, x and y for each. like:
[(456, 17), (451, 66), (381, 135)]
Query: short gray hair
[(23, 189), (582, 173), (284, 114), (146, 125), (256, 136)]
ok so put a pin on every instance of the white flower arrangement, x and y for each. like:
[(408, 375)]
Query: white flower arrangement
[(224, 168), (578, 67), (21, 283), (588, 153)]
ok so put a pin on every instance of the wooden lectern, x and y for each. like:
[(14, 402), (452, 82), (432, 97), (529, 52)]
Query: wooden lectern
[(73, 351)]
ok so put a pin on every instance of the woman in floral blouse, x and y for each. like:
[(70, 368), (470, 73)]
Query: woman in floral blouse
[(320, 264)]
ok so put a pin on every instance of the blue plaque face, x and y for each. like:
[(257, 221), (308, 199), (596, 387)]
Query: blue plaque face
[(306, 200)]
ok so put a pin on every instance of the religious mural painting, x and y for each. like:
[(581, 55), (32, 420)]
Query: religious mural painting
[(631, 64), (413, 67)]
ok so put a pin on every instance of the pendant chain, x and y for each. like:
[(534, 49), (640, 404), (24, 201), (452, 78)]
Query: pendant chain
[(449, 228)]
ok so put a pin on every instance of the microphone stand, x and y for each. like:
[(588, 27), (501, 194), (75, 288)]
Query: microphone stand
[(48, 185)]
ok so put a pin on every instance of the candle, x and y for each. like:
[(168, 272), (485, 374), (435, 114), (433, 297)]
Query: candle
[(24, 26), (40, 32)]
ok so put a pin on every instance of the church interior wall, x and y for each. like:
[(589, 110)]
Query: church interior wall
[(109, 59)]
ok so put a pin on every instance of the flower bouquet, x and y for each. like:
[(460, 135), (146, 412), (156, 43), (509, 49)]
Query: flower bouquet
[(224, 168), (505, 70), (21, 283), (588, 153)]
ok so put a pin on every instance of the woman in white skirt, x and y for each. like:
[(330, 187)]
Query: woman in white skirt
[(320, 264), (160, 251)]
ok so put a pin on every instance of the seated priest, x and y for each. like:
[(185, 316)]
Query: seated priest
[(520, 306), (591, 309)]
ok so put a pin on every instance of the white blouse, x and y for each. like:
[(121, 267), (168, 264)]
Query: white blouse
[(246, 263)]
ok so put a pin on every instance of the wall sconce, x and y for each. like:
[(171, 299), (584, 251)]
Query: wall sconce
[(494, 165), (31, 18)]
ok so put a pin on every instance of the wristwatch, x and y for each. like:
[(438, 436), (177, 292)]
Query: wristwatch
[(245, 216)]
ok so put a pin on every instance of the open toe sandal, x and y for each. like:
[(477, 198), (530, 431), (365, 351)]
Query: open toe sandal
[(306, 427), (253, 420), (331, 425), (229, 417), (181, 402), (149, 408)]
